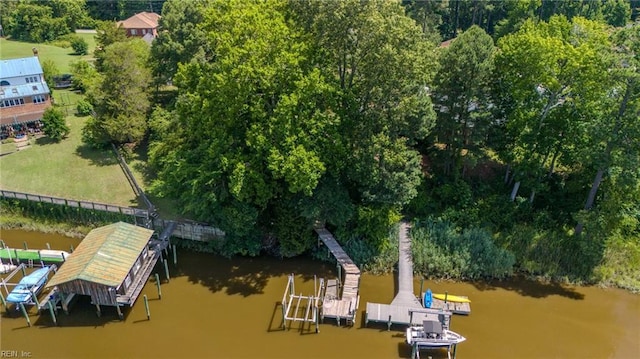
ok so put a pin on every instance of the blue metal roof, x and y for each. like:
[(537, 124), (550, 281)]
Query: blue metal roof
[(20, 67), (26, 90)]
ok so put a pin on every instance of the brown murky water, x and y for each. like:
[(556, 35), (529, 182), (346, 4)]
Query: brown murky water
[(219, 308)]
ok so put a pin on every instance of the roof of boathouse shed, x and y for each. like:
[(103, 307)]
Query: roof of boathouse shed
[(105, 256)]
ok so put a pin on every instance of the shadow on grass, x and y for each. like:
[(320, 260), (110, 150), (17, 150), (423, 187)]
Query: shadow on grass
[(44, 140), (97, 157)]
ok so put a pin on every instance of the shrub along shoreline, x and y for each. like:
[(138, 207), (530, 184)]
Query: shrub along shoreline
[(440, 251)]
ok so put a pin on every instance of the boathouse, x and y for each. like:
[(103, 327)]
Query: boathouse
[(111, 264)]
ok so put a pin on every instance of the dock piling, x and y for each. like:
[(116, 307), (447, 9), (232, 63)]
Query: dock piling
[(175, 255), (25, 245), (71, 249), (389, 323), (120, 315), (158, 285), (421, 287), (35, 299), (166, 268), (48, 246), (52, 312), (4, 302), (24, 270), (98, 312), (24, 312), (146, 306)]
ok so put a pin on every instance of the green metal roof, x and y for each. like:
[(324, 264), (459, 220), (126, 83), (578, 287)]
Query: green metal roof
[(105, 255)]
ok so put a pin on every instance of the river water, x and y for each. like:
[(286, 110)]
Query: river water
[(214, 307)]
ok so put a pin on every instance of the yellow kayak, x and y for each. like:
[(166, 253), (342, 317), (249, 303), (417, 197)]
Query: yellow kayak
[(452, 298)]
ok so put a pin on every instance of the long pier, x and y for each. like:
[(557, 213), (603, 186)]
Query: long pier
[(405, 309), (335, 304)]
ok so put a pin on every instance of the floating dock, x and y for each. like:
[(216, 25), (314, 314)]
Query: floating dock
[(335, 304), (453, 307)]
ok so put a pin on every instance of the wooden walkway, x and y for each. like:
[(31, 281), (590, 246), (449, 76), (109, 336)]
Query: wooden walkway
[(343, 306), (405, 309)]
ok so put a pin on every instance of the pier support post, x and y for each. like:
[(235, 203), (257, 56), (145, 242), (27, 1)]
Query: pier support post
[(71, 248), (421, 287), (52, 312), (158, 285), (48, 246), (175, 255), (389, 323), (410, 317), (166, 269), (146, 306), (284, 321), (35, 299), (317, 316), (4, 302), (24, 270), (24, 312), (25, 245), (63, 301), (98, 312), (120, 315)]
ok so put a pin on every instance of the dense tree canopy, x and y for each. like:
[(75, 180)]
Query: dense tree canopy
[(287, 113), (275, 119), (462, 96)]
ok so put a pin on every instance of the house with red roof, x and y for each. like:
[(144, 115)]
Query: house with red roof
[(143, 24)]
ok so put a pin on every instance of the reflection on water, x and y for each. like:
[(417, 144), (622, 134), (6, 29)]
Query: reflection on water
[(214, 307)]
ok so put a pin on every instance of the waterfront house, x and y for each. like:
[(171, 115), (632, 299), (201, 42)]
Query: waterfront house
[(24, 94), (144, 25), (111, 265)]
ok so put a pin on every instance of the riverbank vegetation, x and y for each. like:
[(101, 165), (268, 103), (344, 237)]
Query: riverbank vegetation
[(514, 146)]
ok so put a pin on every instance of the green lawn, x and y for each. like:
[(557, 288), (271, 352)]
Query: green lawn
[(60, 56), (69, 169), (66, 169)]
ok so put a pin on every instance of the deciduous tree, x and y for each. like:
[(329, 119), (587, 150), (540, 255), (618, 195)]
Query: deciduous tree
[(121, 102)]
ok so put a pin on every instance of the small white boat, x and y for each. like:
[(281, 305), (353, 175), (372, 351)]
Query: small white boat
[(431, 335)]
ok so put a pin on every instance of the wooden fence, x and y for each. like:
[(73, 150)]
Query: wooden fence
[(132, 181), (184, 229), (77, 204)]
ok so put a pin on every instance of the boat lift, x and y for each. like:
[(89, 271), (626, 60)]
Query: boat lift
[(6, 283), (309, 312)]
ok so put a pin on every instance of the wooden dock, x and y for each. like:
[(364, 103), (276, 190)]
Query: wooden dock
[(453, 307), (335, 304), (405, 309)]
